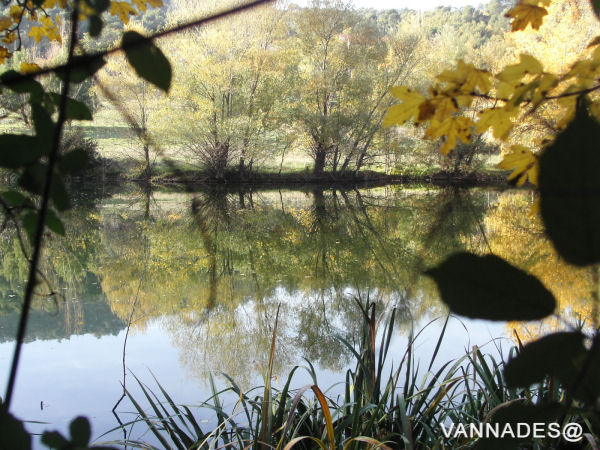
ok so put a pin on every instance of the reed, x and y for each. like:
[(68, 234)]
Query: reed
[(381, 406)]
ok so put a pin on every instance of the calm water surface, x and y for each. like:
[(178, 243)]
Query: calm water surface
[(200, 277)]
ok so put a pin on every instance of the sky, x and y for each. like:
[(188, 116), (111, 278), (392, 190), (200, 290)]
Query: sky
[(414, 4), (400, 4)]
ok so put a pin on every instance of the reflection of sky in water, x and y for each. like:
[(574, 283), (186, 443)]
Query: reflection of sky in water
[(82, 374)]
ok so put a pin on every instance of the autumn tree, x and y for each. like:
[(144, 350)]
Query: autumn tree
[(345, 66), (228, 76)]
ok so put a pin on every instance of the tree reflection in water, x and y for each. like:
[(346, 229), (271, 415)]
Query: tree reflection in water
[(217, 264)]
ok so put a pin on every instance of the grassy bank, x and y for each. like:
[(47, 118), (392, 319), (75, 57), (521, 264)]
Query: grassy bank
[(182, 174)]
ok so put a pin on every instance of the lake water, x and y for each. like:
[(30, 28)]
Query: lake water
[(200, 277)]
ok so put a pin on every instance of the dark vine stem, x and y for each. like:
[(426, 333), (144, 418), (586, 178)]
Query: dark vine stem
[(39, 232)]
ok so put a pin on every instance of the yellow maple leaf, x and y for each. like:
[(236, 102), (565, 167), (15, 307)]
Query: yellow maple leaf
[(569, 105), (9, 38), (524, 13), (454, 78), (584, 71), (4, 54), (544, 83), (444, 106), (122, 9), (466, 78), (399, 114), (477, 78), (37, 33), (155, 3), (48, 4), (524, 164), (5, 23), (15, 12), (499, 119), (452, 128), (527, 65), (29, 67)]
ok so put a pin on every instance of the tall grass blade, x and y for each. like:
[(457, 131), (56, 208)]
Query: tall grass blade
[(326, 414), (439, 342), (266, 431)]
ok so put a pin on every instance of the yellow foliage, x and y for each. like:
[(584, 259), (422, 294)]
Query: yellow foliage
[(438, 108), (15, 12), (514, 73), (499, 119), (10, 37), (399, 114), (142, 5), (37, 33), (29, 67), (453, 128), (4, 54), (524, 164), (48, 4), (466, 78), (523, 102), (123, 10), (526, 13), (5, 23), (520, 239)]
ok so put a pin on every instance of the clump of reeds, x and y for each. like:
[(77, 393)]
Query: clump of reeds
[(389, 408)]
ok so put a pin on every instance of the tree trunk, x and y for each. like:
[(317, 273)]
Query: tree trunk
[(242, 167), (147, 170), (319, 160)]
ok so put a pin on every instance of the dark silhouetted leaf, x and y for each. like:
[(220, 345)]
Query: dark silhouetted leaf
[(18, 150), (83, 68), (487, 287), (12, 433), (570, 190), (59, 195), (17, 83), (596, 7), (75, 110), (73, 161), (29, 223), (148, 60), (15, 199), (44, 128), (55, 440), (556, 354), (54, 223), (32, 178), (80, 431), (96, 25)]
